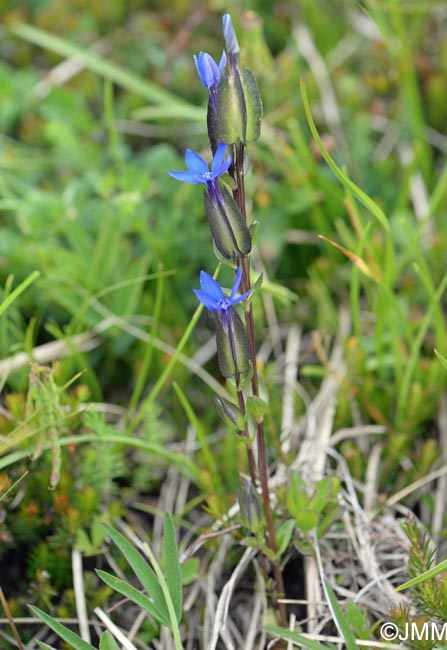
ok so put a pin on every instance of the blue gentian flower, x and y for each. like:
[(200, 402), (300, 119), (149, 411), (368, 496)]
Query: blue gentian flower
[(231, 42), (198, 168), (209, 71), (212, 296)]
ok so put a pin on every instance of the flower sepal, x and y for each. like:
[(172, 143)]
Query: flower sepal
[(250, 508), (238, 109), (232, 346), (230, 232)]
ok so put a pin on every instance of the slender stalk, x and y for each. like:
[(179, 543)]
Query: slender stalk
[(250, 456), (239, 197)]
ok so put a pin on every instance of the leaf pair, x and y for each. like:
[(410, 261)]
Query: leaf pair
[(164, 596)]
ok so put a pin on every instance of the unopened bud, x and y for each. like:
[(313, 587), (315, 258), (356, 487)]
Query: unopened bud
[(231, 43), (230, 232), (230, 414), (232, 345), (250, 507)]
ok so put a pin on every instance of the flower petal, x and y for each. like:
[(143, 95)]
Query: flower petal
[(219, 166), (195, 163), (207, 68), (186, 177), (222, 63), (218, 156), (237, 282), (234, 301), (230, 38), (207, 300), (209, 285)]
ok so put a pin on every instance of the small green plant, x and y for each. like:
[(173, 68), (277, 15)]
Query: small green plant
[(161, 596)]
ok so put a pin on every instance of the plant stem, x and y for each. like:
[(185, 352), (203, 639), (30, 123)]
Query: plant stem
[(250, 456), (239, 197)]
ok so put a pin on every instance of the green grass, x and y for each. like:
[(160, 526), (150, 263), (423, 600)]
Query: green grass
[(100, 250)]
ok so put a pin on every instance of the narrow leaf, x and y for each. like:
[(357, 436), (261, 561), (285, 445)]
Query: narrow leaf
[(18, 290), (133, 594), (253, 105), (303, 641), (101, 66), (62, 631), (342, 177), (355, 259), (340, 620), (442, 359), (427, 575), (173, 572), (107, 642), (141, 569)]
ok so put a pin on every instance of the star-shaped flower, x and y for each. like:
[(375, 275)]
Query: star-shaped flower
[(198, 168), (212, 296), (209, 71)]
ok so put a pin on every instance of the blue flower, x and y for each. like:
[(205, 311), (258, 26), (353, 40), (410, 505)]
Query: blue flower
[(209, 71), (231, 43), (198, 168), (212, 296)]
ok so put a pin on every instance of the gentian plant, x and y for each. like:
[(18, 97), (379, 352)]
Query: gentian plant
[(233, 120)]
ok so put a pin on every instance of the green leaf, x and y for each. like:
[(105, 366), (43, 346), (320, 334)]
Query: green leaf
[(253, 105), (134, 595), (442, 359), (190, 570), (284, 534), (342, 177), (173, 573), (340, 620), (306, 519), (357, 620), (427, 575), (107, 642), (18, 290), (325, 492), (105, 68), (256, 407), (61, 630), (303, 641), (141, 569)]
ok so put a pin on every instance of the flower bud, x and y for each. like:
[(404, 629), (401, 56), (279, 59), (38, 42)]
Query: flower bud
[(231, 43), (230, 232), (238, 109), (250, 507), (230, 414), (232, 345)]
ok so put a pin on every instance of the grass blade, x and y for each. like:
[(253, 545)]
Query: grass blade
[(427, 575), (173, 573), (342, 624), (119, 75), (18, 290), (303, 641), (342, 177)]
